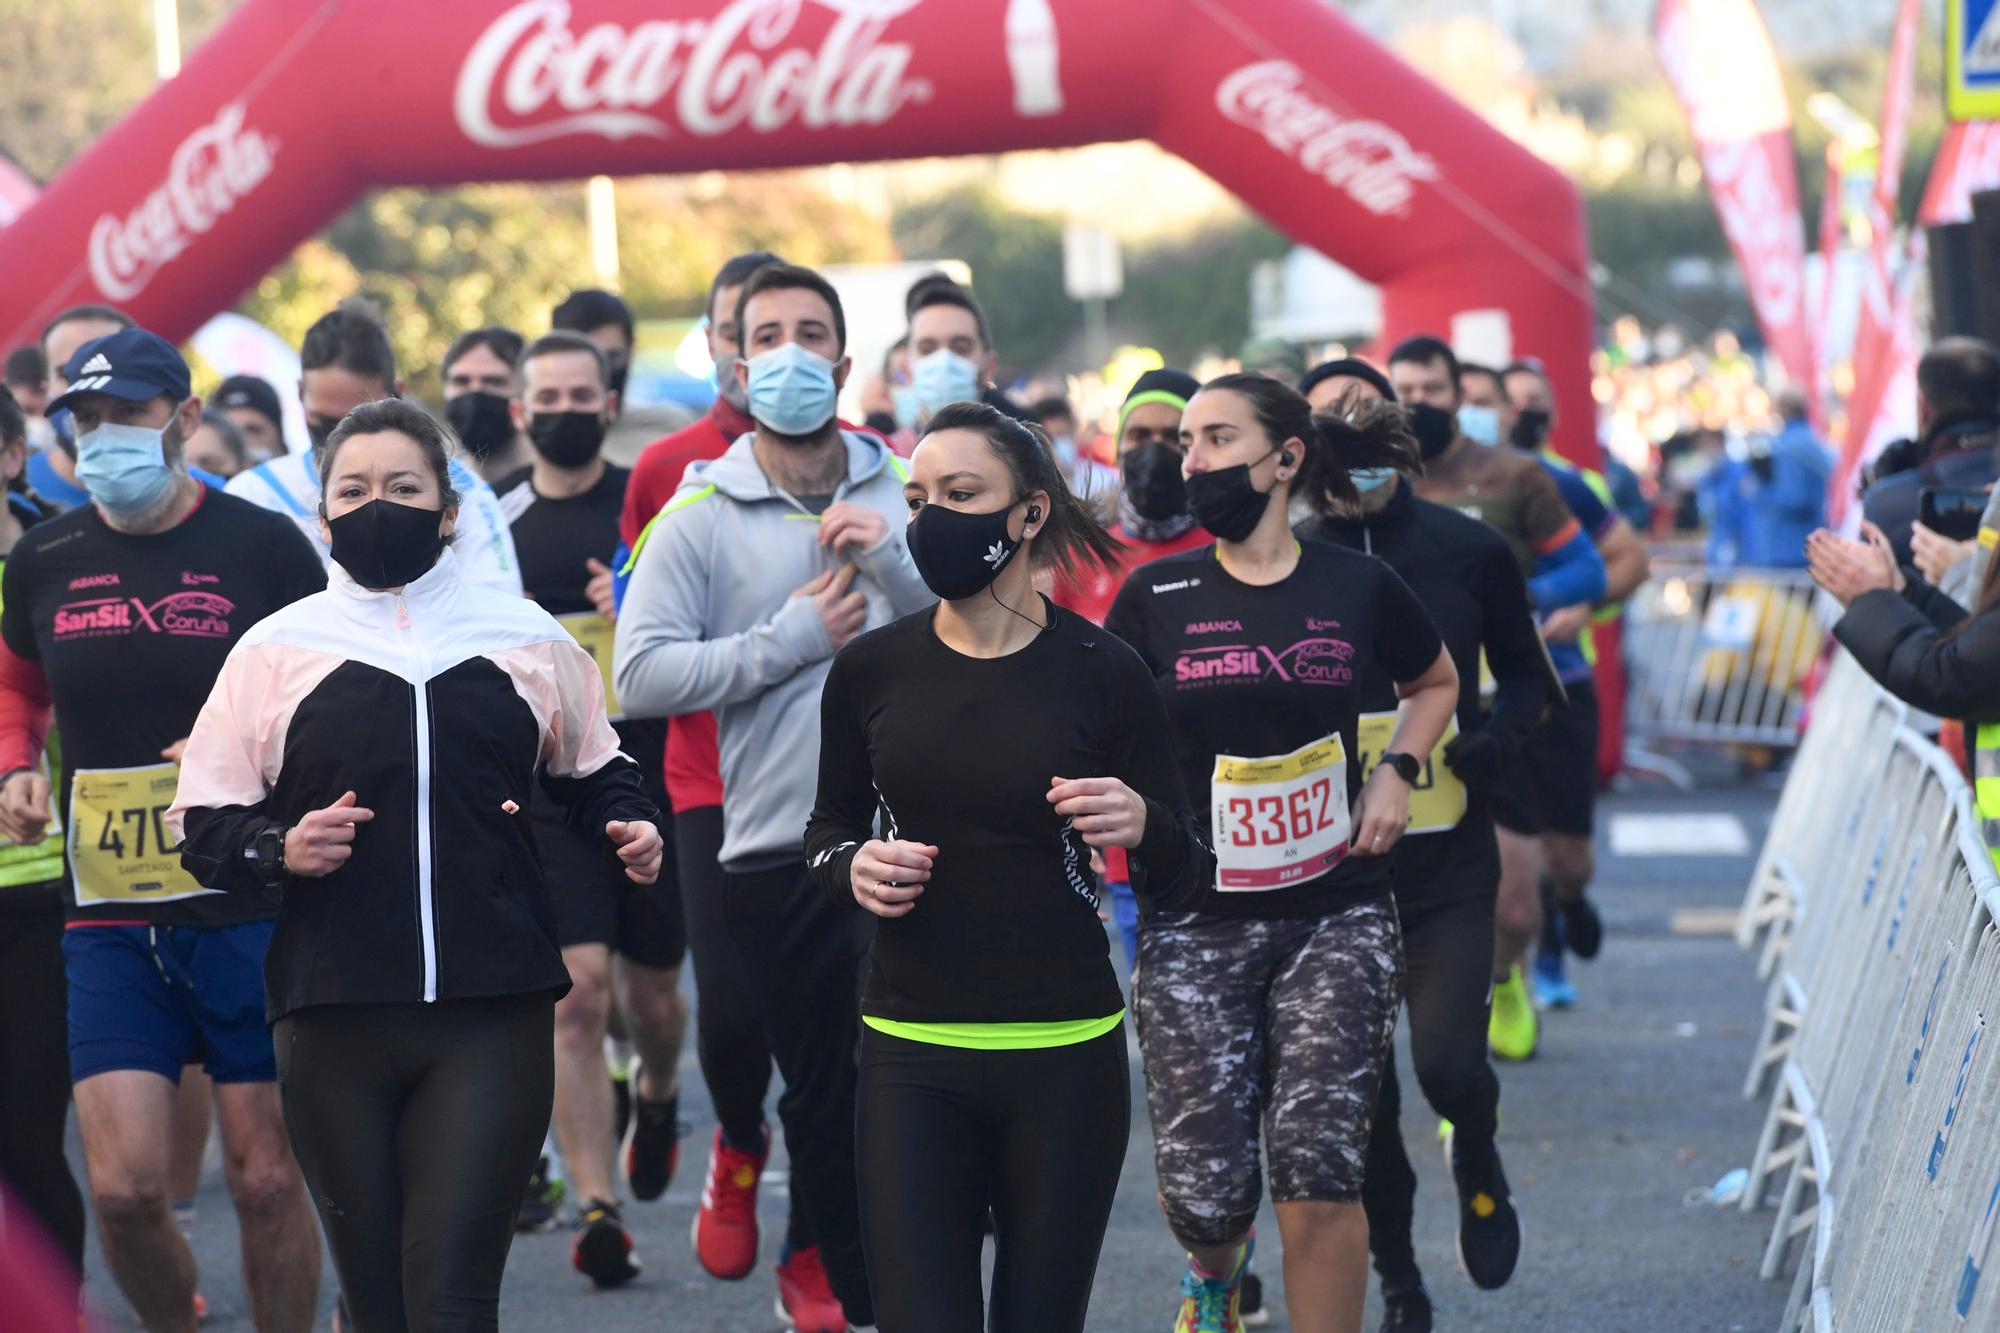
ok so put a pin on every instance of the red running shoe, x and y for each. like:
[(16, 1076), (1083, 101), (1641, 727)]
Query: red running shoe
[(805, 1300), (725, 1226)]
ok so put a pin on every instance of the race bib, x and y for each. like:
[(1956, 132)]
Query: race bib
[(594, 634), (1437, 802), (1280, 820), (119, 848)]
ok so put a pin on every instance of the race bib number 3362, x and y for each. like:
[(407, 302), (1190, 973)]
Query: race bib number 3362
[(119, 847), (1279, 820)]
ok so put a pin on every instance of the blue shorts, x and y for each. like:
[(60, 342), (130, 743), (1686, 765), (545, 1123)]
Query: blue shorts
[(160, 997)]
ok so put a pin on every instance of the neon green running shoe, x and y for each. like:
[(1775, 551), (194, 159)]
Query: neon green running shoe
[(1512, 1031)]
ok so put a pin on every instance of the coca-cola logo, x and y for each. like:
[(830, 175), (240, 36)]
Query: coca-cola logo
[(1372, 163), (211, 171), (530, 78)]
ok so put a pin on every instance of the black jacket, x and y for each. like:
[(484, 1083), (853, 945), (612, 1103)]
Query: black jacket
[(1902, 641), (437, 706)]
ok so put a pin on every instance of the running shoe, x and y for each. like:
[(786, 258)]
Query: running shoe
[(1512, 1030), (1406, 1311), (1214, 1304), (200, 1308), (1582, 928), (1489, 1229), (805, 1299), (603, 1249), (1550, 979), (725, 1226), (541, 1206), (1250, 1308), (654, 1150)]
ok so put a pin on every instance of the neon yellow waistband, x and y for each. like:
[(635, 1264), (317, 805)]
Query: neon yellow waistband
[(999, 1036)]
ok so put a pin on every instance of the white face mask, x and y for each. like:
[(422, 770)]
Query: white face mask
[(943, 378)]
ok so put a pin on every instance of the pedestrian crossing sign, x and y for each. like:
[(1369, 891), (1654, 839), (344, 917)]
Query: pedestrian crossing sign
[(1972, 59)]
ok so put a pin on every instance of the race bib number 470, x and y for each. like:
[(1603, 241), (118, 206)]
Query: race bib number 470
[(1279, 820), (119, 848)]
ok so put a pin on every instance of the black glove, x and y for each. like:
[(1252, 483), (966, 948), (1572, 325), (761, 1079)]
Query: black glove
[(1476, 757)]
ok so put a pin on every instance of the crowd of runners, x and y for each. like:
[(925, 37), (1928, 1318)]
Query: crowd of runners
[(370, 802)]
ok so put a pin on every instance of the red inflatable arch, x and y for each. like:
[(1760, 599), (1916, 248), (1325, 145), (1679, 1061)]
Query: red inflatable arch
[(292, 110)]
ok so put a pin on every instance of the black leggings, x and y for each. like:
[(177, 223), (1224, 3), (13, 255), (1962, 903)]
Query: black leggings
[(34, 1066), (728, 1034), (1448, 969), (416, 1126), (945, 1135)]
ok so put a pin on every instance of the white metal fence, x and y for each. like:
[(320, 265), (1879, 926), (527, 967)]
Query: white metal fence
[(1874, 904), (1719, 655)]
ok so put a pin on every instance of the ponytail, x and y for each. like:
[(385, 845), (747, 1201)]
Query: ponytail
[(1071, 536), (1356, 432)]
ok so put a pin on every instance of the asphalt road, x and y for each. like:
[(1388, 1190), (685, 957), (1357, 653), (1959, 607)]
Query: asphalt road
[(1630, 1108)]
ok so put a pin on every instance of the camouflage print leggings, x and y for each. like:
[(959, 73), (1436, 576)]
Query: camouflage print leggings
[(1284, 1022)]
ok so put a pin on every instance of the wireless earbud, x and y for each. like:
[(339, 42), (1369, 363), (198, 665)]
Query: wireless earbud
[(1034, 513), (1286, 458)]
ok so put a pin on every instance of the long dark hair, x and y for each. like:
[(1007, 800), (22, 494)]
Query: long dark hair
[(1071, 535), (1336, 440)]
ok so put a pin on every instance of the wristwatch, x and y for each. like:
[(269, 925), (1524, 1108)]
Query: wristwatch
[(266, 855), (1406, 766)]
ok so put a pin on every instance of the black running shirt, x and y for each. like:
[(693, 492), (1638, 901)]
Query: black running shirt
[(1258, 681)]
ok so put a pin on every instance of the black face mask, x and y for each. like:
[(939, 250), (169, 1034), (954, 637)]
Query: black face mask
[(481, 421), (1435, 429), (1530, 429), (567, 439), (1227, 502), (957, 554), (386, 545), (317, 431), (1151, 473), (617, 385)]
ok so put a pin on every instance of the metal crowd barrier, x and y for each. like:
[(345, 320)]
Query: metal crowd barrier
[(1875, 901), (1717, 657)]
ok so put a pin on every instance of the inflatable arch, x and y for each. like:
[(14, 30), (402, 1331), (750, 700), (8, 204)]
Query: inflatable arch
[(291, 110)]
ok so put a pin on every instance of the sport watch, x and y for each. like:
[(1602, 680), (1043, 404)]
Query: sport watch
[(1406, 766), (266, 855)]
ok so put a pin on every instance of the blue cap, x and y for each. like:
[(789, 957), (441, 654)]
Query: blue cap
[(131, 364)]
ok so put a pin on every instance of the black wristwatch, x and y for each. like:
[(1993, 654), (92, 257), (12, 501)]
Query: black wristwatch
[(266, 855), (1407, 768)]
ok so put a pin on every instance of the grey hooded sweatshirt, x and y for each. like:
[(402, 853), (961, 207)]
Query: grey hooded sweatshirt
[(709, 622)]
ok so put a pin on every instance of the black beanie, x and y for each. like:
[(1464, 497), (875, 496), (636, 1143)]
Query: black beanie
[(1351, 366)]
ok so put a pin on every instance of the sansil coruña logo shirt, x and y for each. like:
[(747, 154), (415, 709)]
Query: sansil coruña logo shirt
[(1263, 672), (131, 633)]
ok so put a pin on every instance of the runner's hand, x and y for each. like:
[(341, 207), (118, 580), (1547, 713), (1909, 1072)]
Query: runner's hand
[(322, 840), (1104, 810), (847, 527), (598, 589), (842, 610), (1934, 555), (1381, 813), (172, 754), (639, 847), (1566, 623), (24, 807), (887, 877), (1475, 756)]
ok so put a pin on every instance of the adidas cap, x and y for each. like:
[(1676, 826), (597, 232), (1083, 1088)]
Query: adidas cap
[(131, 364)]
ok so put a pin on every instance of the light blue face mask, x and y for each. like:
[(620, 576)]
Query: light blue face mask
[(1479, 424), (903, 397), (124, 467), (942, 378), (791, 390), (1366, 479)]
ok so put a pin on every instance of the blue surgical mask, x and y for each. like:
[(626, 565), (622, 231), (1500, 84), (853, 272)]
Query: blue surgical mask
[(1481, 425), (943, 378), (904, 398), (791, 390), (124, 467), (1366, 479)]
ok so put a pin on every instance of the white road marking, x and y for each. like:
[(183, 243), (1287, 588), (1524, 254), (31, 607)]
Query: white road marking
[(1678, 835)]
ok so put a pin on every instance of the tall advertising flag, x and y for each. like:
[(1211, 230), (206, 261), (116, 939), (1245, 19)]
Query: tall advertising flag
[(1883, 404), (1720, 61)]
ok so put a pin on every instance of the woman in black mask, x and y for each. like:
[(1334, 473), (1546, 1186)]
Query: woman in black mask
[(1265, 1008), (367, 754), (999, 738), (482, 393)]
